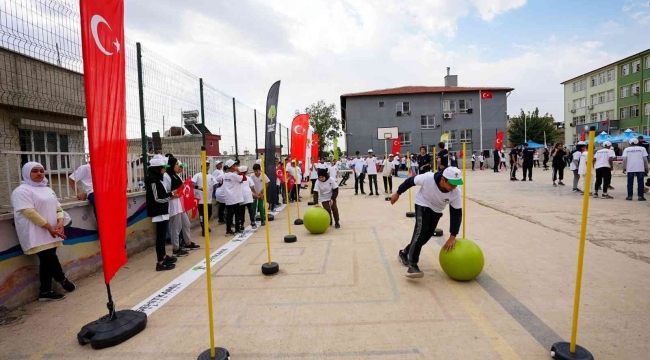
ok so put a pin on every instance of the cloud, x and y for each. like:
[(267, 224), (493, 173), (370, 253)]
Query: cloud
[(638, 11)]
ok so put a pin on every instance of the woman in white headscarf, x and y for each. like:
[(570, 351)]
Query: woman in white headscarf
[(39, 224)]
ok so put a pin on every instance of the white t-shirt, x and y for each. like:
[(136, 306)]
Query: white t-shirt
[(396, 163), (575, 157), (220, 194), (388, 168), (403, 160), (358, 164), (602, 157), (325, 188), (332, 171), (232, 184), (197, 180), (535, 157), (582, 166), (83, 175), (371, 165), (430, 195), (175, 205), (257, 182), (216, 173), (473, 157), (503, 157), (481, 158), (44, 201), (246, 192), (290, 171), (635, 156)]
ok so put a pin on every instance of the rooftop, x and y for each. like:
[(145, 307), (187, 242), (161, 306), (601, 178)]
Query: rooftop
[(631, 57), (423, 90)]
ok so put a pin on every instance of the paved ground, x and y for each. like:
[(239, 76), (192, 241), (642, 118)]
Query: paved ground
[(343, 294)]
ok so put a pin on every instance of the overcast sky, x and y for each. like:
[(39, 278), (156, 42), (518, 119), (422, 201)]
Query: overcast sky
[(322, 49)]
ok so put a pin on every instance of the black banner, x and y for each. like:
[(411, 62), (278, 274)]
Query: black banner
[(269, 144)]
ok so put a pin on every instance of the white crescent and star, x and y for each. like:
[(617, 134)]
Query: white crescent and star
[(485, 95), (94, 23), (499, 141), (298, 129)]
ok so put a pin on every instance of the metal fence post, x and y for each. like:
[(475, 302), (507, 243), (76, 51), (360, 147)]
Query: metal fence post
[(143, 131), (202, 108), (234, 116), (257, 155)]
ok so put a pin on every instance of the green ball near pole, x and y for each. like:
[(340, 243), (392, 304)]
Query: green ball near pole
[(464, 262), (316, 220)]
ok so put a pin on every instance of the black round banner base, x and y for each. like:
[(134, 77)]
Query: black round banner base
[(290, 238), (298, 222), (561, 351), (410, 214), (102, 333), (220, 354), (270, 269), (438, 232), (311, 203)]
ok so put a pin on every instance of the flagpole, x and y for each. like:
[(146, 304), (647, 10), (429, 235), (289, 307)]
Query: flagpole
[(480, 117)]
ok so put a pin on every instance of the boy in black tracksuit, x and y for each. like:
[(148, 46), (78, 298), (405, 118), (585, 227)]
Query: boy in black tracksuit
[(158, 209), (437, 190)]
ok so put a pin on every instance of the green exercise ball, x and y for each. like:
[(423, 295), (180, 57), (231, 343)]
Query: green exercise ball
[(464, 262), (316, 220)]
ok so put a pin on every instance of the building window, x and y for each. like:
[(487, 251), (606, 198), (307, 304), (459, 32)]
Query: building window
[(594, 117), (576, 138), (610, 75), (403, 108), (636, 66), (602, 77), (466, 136), (601, 98), (594, 99), (647, 62), (405, 138), (609, 115), (636, 89), (453, 136), (47, 142), (583, 102), (647, 109), (625, 113), (464, 105), (449, 106), (576, 104), (625, 91), (578, 120), (381, 104), (610, 95), (428, 121), (646, 85), (594, 81), (634, 111), (625, 70), (646, 130), (601, 116)]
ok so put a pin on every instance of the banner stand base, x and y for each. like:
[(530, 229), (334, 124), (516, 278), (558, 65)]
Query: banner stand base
[(220, 354), (105, 333)]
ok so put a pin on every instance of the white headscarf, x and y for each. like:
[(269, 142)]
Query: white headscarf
[(27, 170)]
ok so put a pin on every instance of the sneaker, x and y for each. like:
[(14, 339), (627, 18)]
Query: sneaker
[(513, 179), (253, 226), (263, 223), (523, 179), (596, 195), (191, 246), (561, 183), (530, 179), (629, 198), (50, 296), (337, 226), (611, 187), (642, 198), (356, 193), (554, 185), (414, 272), (403, 258), (574, 189), (170, 260), (230, 233), (180, 253), (606, 196), (362, 193), (68, 285), (239, 231), (580, 191), (165, 266)]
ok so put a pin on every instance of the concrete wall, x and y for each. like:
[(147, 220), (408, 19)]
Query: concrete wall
[(364, 116)]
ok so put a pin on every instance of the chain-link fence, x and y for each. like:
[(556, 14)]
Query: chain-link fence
[(42, 103)]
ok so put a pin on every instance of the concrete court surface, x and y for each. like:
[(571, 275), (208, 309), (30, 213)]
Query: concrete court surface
[(343, 294)]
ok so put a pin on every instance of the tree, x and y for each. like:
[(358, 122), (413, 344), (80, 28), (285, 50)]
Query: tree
[(322, 118), (533, 126)]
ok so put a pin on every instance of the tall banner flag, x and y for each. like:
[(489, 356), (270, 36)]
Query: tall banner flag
[(583, 136), (396, 145), (314, 146), (336, 149), (299, 129), (269, 151), (102, 40), (498, 144), (308, 146)]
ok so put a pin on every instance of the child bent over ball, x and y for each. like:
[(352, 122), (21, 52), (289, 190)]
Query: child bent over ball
[(328, 190), (436, 191)]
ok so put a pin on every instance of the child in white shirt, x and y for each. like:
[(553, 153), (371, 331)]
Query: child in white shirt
[(328, 191)]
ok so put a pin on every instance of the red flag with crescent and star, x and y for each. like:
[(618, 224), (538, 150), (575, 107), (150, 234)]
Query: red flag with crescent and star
[(279, 173), (486, 95), (498, 144), (187, 196), (299, 128), (396, 144), (314, 146), (102, 42)]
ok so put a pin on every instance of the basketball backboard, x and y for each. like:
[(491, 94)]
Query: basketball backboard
[(384, 133)]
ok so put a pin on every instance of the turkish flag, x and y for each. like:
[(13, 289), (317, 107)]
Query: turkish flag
[(605, 122), (292, 182), (396, 145), (582, 136), (188, 200), (498, 144), (102, 41), (314, 146), (279, 173), (486, 95), (299, 129)]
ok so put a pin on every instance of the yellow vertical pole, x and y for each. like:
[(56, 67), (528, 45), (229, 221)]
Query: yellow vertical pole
[(408, 172), (286, 187), (581, 248), (464, 186), (208, 275), (299, 181), (266, 216)]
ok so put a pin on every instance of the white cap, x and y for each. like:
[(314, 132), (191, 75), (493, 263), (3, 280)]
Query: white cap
[(230, 163), (218, 162), (607, 143), (390, 155), (258, 161), (158, 161), (453, 175), (581, 143), (369, 150), (243, 168), (397, 153), (634, 141), (299, 162)]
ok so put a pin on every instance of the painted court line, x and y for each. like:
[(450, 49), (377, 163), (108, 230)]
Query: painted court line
[(176, 286)]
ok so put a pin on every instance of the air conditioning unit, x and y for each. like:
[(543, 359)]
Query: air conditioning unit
[(447, 116), (399, 113), (591, 107), (571, 124), (469, 111), (573, 111)]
